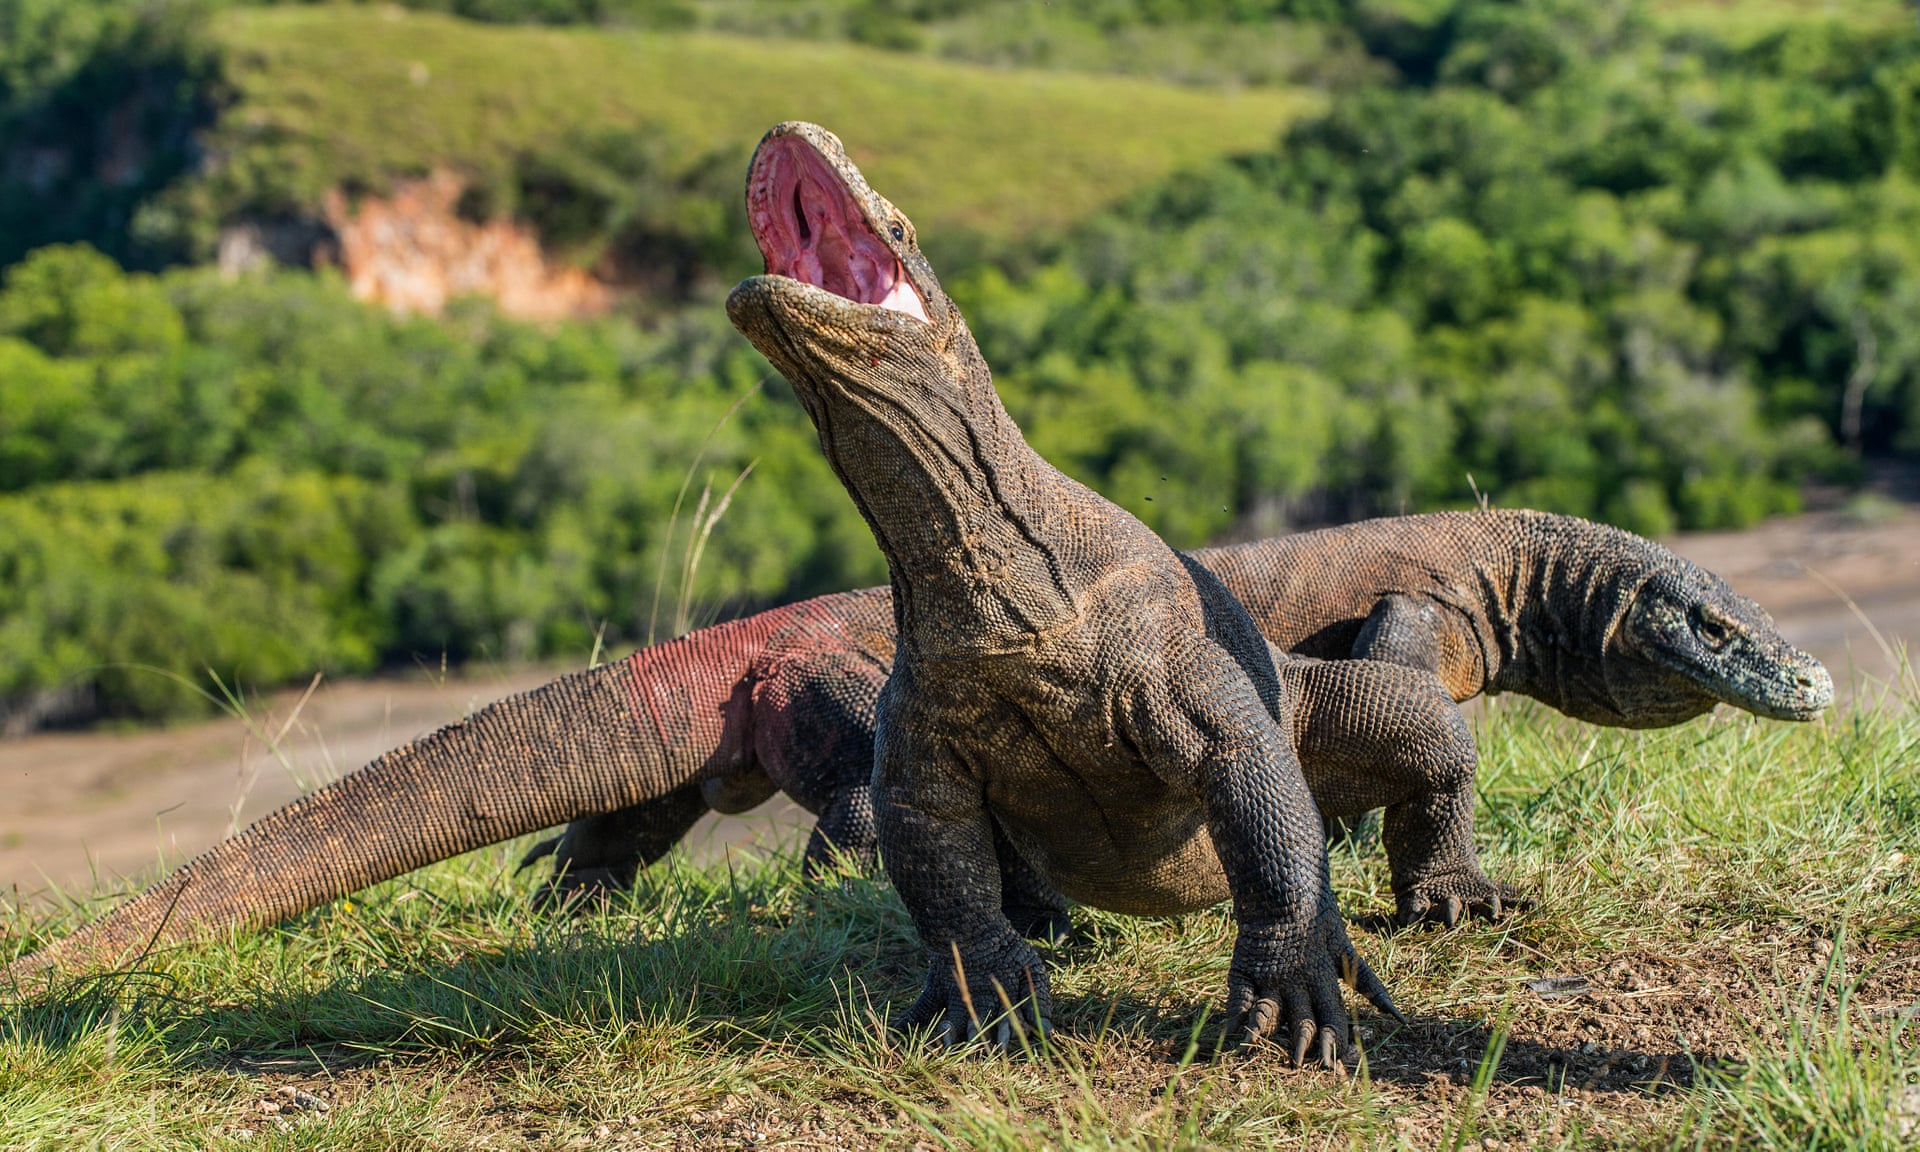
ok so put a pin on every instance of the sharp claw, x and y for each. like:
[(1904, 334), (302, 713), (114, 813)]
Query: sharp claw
[(1370, 986), (1450, 911), (1302, 1038), (1265, 1018), (1329, 1049), (1003, 1035), (1496, 905)]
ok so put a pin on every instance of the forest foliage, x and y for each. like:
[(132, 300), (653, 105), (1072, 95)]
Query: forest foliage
[(1550, 253)]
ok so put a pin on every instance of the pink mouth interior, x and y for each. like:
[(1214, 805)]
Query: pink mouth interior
[(810, 229)]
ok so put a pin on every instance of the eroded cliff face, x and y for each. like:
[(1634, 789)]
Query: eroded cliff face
[(412, 251)]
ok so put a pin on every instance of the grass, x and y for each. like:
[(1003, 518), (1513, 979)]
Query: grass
[(1740, 21), (359, 95), (1739, 896)]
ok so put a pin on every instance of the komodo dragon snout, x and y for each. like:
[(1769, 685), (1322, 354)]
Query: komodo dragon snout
[(1688, 641)]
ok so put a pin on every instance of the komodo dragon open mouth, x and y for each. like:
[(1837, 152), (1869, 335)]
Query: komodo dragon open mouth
[(811, 228)]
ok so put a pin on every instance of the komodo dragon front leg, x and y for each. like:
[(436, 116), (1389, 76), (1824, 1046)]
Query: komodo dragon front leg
[(1378, 735), (1414, 631), (1370, 735)]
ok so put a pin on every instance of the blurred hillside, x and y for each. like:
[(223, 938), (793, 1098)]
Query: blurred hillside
[(1239, 264)]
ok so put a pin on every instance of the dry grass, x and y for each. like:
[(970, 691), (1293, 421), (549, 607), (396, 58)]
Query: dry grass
[(1738, 897)]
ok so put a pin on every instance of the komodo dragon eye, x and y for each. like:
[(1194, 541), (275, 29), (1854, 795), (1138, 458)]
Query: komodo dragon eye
[(898, 232), (1713, 633)]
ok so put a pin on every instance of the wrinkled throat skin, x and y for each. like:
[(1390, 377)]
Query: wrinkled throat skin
[(853, 316)]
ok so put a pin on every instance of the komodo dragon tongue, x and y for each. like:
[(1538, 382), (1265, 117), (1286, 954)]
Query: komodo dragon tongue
[(571, 748)]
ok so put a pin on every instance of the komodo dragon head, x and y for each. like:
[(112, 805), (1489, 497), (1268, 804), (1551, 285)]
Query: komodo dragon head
[(850, 312), (1687, 641)]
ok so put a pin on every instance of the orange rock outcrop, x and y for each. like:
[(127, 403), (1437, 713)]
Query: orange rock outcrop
[(413, 252)]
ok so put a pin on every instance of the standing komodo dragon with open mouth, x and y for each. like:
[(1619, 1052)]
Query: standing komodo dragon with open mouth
[(1067, 688)]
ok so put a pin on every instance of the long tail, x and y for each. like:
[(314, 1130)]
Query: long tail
[(567, 749)]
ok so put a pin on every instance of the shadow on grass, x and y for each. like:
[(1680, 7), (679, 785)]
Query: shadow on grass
[(1428, 1049), (712, 972), (727, 969)]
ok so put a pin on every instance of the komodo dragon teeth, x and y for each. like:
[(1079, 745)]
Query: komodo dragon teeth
[(1068, 691)]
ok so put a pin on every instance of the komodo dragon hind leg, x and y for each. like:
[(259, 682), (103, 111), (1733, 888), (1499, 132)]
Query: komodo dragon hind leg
[(1375, 735), (1032, 904), (601, 855), (844, 834)]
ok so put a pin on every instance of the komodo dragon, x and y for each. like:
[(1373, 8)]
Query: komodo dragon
[(1597, 622), (1066, 686)]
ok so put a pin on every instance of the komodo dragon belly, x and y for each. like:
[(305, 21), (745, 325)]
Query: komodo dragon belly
[(1093, 817)]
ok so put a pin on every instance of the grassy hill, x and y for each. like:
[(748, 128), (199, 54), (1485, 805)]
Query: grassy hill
[(360, 95), (1739, 21)]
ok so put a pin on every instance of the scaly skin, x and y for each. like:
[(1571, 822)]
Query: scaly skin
[(774, 691), (1065, 682)]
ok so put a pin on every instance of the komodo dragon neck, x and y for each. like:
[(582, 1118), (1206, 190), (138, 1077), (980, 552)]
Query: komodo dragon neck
[(905, 407), (1557, 590)]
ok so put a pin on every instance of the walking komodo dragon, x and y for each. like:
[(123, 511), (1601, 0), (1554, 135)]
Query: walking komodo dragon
[(1599, 623)]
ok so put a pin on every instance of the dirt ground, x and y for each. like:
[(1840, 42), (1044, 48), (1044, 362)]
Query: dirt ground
[(1844, 586)]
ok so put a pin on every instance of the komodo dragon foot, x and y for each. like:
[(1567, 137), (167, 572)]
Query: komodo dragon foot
[(1007, 1006), (1450, 898)]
